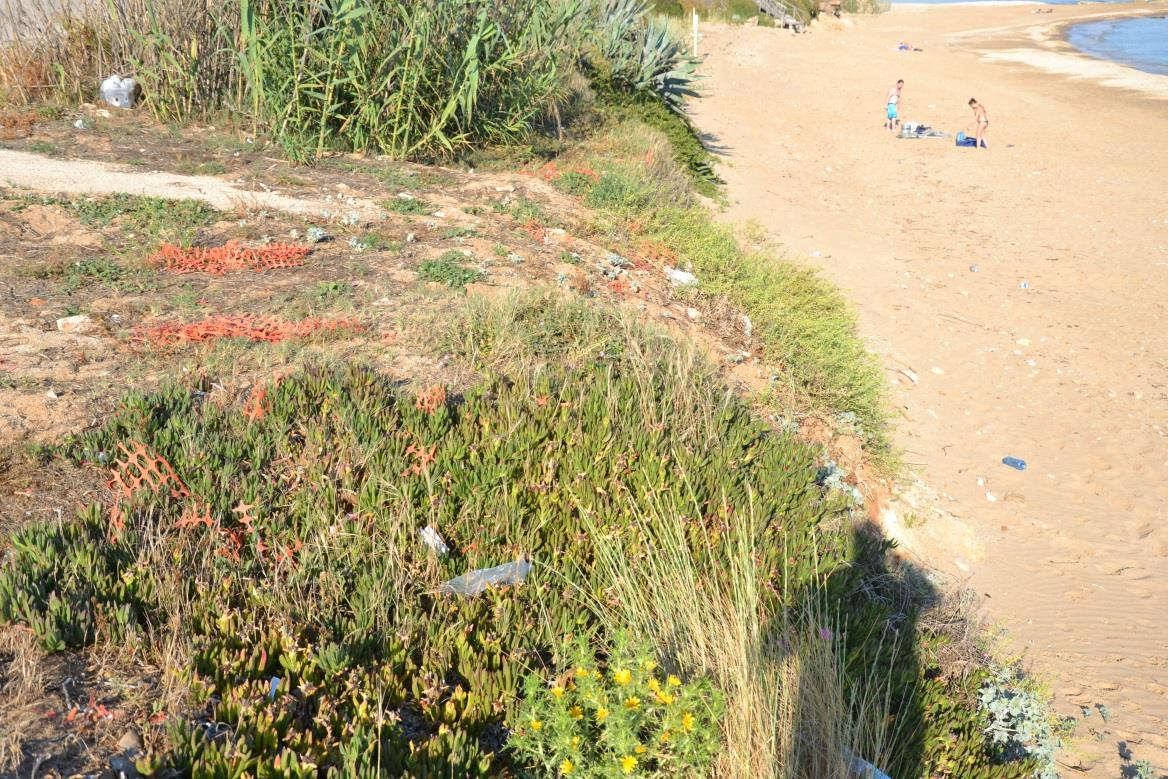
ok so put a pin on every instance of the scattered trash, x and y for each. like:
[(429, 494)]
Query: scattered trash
[(275, 686), (909, 374), (938, 371), (316, 234), (817, 253), (681, 277), (1015, 463), (475, 582), (76, 324), (862, 769), (51, 395), (119, 92), (693, 313), (737, 358), (618, 261), (83, 124), (747, 326), (515, 258), (1024, 284), (431, 539), (991, 497), (974, 268), (123, 768)]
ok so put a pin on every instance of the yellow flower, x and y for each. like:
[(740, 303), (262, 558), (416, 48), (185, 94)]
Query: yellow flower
[(558, 692), (601, 714), (576, 712), (673, 681), (632, 702), (687, 722), (640, 750), (581, 671), (649, 665), (654, 685), (664, 697), (628, 764), (623, 676), (575, 741), (566, 768), (537, 725), (598, 674), (665, 737)]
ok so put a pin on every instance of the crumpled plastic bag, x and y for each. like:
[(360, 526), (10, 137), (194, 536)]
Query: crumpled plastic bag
[(475, 582), (678, 276), (862, 769), (432, 539)]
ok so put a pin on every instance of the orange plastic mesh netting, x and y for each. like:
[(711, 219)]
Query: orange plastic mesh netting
[(253, 328), (230, 257)]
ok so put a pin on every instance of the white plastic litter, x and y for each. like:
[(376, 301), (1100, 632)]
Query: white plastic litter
[(475, 582), (680, 277), (431, 539), (118, 91)]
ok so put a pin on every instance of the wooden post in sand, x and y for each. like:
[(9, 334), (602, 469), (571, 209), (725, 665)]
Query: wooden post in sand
[(695, 32)]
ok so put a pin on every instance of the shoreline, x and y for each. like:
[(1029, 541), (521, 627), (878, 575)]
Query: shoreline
[(1043, 45)]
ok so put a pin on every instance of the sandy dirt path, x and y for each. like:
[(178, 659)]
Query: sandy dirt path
[(1024, 286), (20, 170)]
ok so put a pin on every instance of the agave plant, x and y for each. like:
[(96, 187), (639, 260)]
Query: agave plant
[(640, 54)]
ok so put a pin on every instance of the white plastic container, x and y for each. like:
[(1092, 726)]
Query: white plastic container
[(119, 92)]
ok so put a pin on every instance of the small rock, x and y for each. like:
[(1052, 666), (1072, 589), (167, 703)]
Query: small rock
[(102, 113), (76, 324), (747, 326), (129, 742), (410, 238), (438, 214), (693, 313), (51, 395), (938, 371), (505, 188), (83, 124)]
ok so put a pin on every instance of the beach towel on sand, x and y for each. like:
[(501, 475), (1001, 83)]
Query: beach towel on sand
[(965, 140)]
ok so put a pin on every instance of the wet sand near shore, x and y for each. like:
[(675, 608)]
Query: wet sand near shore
[(1025, 289)]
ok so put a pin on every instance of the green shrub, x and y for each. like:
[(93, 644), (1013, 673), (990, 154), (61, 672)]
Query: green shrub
[(407, 205), (621, 192), (573, 183), (614, 716), (450, 269), (806, 326)]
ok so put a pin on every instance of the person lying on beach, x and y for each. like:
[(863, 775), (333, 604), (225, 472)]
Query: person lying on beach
[(983, 122), (893, 107), (906, 46)]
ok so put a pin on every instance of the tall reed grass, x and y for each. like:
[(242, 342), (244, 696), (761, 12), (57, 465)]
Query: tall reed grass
[(792, 710), (398, 77)]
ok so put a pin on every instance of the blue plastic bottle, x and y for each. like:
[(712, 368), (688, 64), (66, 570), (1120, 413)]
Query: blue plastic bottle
[(1015, 463)]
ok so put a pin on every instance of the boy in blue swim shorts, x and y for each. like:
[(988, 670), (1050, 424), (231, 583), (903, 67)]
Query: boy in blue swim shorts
[(893, 113)]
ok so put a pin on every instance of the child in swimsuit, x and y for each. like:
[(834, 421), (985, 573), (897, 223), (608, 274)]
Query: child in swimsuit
[(983, 122), (893, 109)]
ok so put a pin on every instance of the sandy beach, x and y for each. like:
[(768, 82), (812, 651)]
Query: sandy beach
[(1017, 297)]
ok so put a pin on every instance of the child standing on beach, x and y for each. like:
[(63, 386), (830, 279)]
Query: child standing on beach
[(893, 108), (983, 122)]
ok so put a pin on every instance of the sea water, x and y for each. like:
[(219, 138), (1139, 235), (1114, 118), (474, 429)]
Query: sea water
[(1140, 43)]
